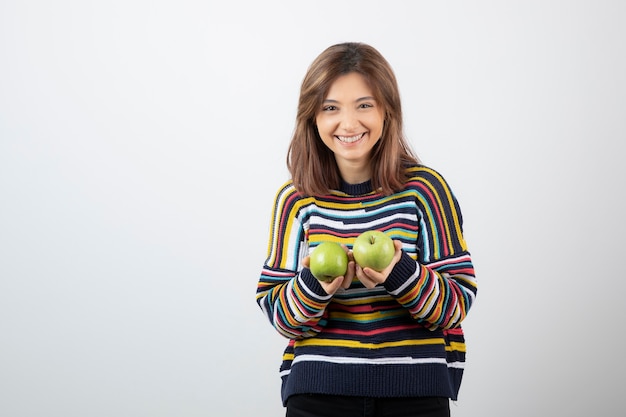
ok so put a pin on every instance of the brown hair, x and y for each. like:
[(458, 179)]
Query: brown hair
[(311, 164)]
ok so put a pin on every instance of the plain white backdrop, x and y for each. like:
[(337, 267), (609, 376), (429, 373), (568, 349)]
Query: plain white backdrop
[(141, 143)]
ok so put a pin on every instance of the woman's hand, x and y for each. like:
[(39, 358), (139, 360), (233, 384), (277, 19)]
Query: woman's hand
[(370, 277), (344, 281)]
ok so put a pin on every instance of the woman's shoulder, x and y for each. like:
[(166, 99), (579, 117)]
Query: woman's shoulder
[(430, 187), (288, 191), (424, 173)]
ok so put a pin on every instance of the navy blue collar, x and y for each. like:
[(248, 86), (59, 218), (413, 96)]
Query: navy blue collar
[(357, 189)]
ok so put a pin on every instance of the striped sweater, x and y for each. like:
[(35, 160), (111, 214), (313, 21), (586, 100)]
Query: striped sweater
[(401, 338)]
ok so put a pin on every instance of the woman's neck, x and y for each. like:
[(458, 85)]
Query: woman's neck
[(355, 173)]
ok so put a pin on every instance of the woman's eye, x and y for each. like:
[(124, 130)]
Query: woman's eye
[(329, 108), (365, 105)]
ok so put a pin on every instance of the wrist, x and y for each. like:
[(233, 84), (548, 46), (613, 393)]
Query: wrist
[(405, 268)]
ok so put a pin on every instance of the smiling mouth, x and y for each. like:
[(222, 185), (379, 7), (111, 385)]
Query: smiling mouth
[(350, 139)]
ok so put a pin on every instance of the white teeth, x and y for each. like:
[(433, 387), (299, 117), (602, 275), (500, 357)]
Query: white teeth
[(350, 139)]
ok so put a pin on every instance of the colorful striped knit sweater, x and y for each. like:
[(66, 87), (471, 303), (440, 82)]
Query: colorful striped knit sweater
[(402, 338)]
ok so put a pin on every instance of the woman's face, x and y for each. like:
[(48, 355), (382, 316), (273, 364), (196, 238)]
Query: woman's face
[(350, 123)]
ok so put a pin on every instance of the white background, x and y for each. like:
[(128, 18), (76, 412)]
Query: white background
[(141, 143)]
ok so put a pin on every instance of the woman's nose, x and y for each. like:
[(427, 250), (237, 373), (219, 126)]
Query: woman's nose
[(349, 121)]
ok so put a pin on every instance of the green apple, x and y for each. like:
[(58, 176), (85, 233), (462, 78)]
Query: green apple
[(328, 261), (373, 249)]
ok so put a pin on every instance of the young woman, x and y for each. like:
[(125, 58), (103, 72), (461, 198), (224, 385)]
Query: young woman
[(369, 342)]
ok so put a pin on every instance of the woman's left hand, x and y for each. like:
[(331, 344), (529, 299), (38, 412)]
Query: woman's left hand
[(370, 277)]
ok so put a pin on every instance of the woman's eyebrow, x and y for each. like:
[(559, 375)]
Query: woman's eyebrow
[(366, 98)]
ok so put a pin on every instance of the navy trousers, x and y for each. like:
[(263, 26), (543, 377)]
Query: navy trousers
[(313, 405)]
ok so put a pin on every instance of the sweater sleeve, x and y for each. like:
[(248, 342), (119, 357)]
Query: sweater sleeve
[(439, 287), (290, 297)]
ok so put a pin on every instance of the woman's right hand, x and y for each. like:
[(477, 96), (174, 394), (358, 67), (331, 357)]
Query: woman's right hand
[(331, 287)]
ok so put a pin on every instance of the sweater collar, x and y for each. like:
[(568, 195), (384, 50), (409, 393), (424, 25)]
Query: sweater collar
[(356, 189)]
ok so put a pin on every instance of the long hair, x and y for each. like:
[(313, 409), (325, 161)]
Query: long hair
[(311, 164)]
